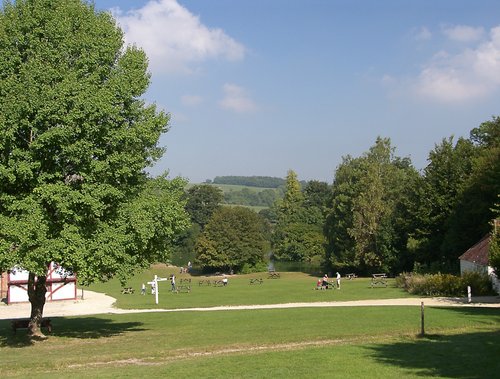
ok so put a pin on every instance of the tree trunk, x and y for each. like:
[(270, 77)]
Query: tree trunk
[(36, 294)]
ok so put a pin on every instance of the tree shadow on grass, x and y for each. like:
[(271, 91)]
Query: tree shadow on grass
[(81, 327), (468, 355)]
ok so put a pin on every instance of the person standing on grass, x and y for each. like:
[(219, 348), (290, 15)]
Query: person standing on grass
[(143, 289), (172, 281), (338, 281), (224, 281)]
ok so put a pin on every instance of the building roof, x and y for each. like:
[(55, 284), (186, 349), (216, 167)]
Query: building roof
[(479, 252)]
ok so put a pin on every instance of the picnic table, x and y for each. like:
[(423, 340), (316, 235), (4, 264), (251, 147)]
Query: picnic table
[(218, 283), (256, 281), (328, 286), (273, 275), (379, 280), (183, 289), (206, 282), (185, 281), (127, 290)]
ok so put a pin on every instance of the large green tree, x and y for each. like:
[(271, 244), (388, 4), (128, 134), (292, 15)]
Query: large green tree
[(450, 165), (233, 237), (75, 138), (298, 232), (472, 214), (366, 228), (202, 201)]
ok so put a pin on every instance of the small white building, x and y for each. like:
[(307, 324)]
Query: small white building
[(477, 259), (61, 284)]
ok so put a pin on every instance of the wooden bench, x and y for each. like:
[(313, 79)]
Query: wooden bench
[(379, 280), (256, 281), (351, 276), (206, 282), (23, 324), (127, 290), (273, 275)]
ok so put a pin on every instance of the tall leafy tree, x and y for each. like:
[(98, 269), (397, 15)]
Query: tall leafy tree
[(291, 206), (494, 252), (450, 165), (75, 138), (233, 237), (297, 234), (203, 200), (363, 228), (472, 214)]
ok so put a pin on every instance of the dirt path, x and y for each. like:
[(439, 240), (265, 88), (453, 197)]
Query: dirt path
[(98, 303)]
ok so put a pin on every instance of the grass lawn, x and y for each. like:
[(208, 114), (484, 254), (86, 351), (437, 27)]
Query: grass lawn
[(292, 287), (341, 342), (337, 342)]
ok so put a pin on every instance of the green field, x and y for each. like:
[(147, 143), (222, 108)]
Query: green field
[(338, 342), (291, 287)]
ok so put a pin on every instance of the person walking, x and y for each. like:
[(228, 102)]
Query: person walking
[(172, 281), (338, 281)]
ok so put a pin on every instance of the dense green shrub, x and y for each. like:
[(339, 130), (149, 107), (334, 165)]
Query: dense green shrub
[(479, 283), (445, 284), (250, 269)]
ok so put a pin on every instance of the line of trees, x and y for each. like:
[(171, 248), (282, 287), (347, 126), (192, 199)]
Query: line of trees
[(380, 213), (250, 181), (250, 197)]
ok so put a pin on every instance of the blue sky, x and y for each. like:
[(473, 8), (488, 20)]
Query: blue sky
[(258, 87)]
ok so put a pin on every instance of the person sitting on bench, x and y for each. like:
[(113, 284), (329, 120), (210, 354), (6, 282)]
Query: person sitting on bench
[(325, 281)]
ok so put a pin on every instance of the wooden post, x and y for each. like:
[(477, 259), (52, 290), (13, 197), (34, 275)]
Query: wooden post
[(422, 324)]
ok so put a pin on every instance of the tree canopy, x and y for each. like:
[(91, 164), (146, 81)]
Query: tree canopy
[(233, 237), (368, 195), (75, 138)]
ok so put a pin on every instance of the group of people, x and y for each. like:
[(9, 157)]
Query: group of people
[(323, 283), (185, 270)]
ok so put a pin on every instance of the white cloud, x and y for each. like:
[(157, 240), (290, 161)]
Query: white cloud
[(467, 75), (173, 38), (191, 100), (423, 34), (236, 99), (464, 33)]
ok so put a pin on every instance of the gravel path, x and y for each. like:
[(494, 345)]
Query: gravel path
[(98, 303)]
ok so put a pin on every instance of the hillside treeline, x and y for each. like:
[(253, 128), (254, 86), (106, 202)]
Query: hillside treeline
[(251, 181), (248, 197), (379, 214)]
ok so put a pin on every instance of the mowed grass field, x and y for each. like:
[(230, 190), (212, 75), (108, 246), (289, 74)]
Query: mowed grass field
[(339, 342), (292, 287)]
